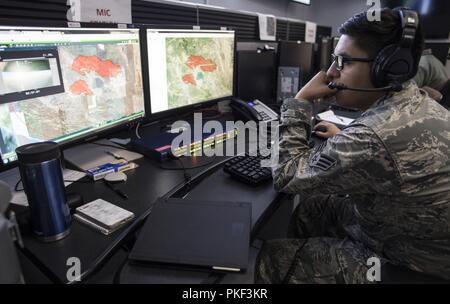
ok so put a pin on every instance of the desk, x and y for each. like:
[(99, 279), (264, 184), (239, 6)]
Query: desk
[(144, 185), (215, 187)]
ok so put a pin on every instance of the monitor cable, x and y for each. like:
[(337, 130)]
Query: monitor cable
[(137, 130)]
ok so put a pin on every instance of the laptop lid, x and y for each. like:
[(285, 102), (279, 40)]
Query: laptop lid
[(196, 233)]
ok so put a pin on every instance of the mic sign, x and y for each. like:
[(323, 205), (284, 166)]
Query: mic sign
[(103, 12)]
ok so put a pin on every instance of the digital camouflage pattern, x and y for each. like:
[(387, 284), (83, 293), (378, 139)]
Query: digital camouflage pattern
[(392, 165)]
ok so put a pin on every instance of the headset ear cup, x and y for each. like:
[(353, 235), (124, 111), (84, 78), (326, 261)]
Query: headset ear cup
[(393, 64), (400, 66), (378, 73)]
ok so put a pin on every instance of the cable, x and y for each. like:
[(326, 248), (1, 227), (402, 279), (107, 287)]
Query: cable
[(199, 166), (137, 130), (187, 177), (78, 181), (183, 167), (16, 187), (116, 278), (294, 263), (107, 145)]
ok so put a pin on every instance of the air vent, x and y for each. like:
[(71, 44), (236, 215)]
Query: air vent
[(34, 9), (246, 26), (297, 31), (282, 27), (160, 13)]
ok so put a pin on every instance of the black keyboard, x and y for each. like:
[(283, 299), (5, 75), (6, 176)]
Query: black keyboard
[(247, 169)]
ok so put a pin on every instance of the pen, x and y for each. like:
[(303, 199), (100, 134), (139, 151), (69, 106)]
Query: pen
[(117, 191)]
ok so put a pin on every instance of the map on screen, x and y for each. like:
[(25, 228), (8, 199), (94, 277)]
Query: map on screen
[(189, 67), (100, 86), (198, 69)]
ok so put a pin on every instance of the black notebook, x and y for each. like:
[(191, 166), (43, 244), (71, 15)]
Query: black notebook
[(208, 234)]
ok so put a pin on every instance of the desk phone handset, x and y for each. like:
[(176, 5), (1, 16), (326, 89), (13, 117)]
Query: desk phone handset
[(252, 110)]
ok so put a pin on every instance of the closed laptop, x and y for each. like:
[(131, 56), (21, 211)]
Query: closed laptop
[(196, 233)]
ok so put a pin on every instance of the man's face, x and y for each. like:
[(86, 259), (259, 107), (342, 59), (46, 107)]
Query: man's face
[(355, 74)]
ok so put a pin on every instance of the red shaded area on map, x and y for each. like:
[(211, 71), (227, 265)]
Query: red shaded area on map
[(87, 64), (189, 78), (205, 65), (80, 87)]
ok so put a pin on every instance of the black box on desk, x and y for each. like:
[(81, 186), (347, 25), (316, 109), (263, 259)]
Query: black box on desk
[(160, 146)]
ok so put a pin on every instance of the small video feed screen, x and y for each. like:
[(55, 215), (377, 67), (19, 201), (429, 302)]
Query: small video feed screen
[(28, 74)]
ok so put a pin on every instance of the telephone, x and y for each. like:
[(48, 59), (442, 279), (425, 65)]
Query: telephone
[(252, 110)]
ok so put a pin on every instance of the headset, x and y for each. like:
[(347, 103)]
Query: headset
[(394, 64)]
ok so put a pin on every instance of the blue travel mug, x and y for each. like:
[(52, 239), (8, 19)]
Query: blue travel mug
[(42, 178)]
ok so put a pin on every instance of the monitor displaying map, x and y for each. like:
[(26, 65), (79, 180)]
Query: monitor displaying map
[(62, 84), (188, 67)]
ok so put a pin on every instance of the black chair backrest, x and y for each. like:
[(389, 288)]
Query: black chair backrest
[(445, 91)]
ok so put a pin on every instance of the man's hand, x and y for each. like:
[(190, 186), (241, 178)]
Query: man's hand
[(317, 87), (326, 129), (436, 95)]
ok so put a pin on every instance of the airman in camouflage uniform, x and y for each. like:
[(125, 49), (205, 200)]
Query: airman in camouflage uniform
[(385, 191), (378, 188)]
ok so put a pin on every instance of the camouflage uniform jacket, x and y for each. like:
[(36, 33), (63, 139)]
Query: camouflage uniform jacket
[(394, 163)]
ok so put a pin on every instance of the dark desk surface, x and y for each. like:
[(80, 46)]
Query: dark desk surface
[(216, 187), (144, 185)]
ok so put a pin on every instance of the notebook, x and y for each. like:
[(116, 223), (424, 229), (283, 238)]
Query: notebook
[(215, 235), (103, 216)]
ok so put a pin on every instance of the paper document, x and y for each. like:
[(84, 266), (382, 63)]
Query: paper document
[(333, 118)]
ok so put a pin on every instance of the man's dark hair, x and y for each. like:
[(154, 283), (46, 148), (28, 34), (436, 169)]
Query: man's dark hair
[(372, 36)]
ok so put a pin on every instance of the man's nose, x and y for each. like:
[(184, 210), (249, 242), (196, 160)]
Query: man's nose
[(332, 72)]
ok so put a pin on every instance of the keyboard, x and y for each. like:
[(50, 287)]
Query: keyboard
[(248, 170)]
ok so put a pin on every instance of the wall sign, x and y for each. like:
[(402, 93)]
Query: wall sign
[(108, 11)]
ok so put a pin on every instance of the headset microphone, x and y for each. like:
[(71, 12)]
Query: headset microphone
[(340, 87)]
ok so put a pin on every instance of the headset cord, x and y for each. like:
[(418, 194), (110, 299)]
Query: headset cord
[(296, 259)]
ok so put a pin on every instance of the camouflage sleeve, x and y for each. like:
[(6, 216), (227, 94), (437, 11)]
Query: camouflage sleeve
[(353, 161)]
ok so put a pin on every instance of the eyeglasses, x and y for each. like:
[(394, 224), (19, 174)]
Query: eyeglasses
[(340, 60)]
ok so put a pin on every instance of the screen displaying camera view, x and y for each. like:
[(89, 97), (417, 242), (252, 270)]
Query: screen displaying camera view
[(189, 67), (63, 84), (27, 74)]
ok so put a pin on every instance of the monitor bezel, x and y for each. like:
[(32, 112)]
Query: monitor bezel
[(94, 135), (189, 109), (302, 2)]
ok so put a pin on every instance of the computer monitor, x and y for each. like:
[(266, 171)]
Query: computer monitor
[(325, 49), (433, 15), (189, 67), (335, 42), (439, 49), (65, 84), (297, 54), (256, 75)]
